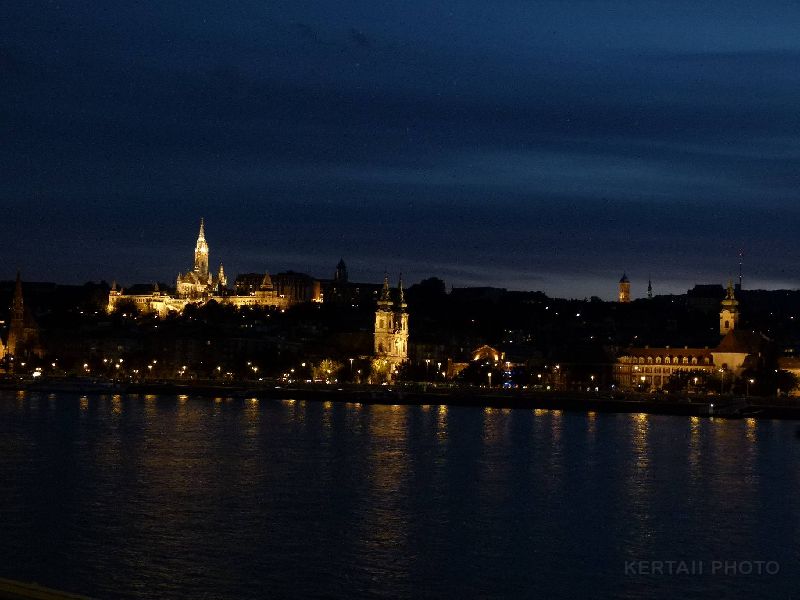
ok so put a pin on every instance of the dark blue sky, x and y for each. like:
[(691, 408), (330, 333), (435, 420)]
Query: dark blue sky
[(544, 145)]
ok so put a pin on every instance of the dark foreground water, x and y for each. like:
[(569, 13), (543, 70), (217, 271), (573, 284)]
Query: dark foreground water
[(165, 497)]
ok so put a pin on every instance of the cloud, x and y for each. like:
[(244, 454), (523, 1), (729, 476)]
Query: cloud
[(638, 134)]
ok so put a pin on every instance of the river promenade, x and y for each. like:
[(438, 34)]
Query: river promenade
[(726, 406)]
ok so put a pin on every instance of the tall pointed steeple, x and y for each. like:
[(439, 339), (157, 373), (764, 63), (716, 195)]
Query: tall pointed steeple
[(201, 254), (649, 288), (222, 280), (401, 300)]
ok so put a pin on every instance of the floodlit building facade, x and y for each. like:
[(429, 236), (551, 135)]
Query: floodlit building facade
[(199, 286), (391, 326), (651, 368)]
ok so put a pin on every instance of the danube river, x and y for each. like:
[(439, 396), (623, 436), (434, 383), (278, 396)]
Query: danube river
[(187, 497)]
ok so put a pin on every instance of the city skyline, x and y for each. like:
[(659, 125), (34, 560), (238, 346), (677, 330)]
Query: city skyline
[(549, 147), (646, 290)]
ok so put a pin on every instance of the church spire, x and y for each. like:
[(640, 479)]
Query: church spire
[(385, 299), (201, 254), (649, 288), (401, 300), (222, 280)]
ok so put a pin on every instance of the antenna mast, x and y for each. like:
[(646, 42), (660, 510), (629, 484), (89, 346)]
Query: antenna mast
[(741, 256)]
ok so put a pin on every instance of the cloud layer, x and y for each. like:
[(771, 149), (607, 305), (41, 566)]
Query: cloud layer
[(544, 145)]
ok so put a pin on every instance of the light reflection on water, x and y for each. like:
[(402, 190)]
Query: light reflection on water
[(157, 497)]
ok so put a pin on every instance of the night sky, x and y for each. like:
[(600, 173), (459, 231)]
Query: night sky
[(545, 145)]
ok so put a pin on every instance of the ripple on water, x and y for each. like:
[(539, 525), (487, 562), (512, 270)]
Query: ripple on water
[(174, 497)]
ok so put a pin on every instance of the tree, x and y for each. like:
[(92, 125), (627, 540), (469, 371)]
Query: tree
[(327, 370), (485, 373), (696, 381), (380, 371), (766, 382)]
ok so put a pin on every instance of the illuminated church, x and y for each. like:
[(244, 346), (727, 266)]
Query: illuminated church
[(391, 325), (23, 334), (199, 283), (199, 286), (651, 368)]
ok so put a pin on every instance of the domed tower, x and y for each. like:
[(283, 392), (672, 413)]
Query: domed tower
[(624, 289), (729, 312)]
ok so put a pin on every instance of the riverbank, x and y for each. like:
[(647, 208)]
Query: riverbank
[(18, 590), (421, 394)]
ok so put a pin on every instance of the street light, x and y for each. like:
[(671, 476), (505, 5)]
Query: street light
[(749, 381)]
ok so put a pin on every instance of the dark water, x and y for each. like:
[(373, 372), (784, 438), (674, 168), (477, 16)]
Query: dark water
[(164, 497)]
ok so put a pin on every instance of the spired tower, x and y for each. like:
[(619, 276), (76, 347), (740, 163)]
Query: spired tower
[(401, 322), (201, 255), (729, 313), (222, 280), (16, 332), (23, 335), (391, 325), (624, 289), (198, 282)]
